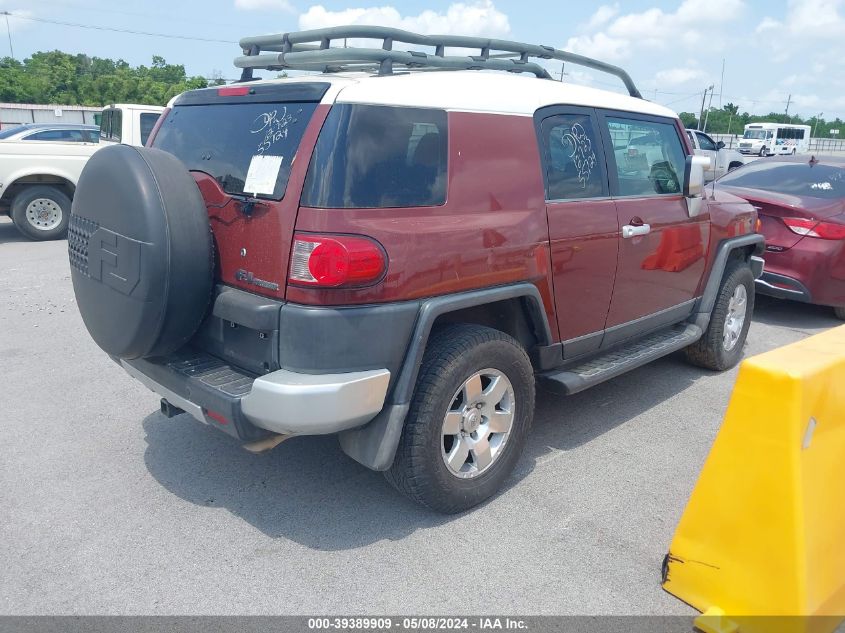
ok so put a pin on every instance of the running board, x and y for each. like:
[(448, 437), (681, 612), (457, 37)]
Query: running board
[(623, 359)]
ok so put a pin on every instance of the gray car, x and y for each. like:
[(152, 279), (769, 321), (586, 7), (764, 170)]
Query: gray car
[(52, 132)]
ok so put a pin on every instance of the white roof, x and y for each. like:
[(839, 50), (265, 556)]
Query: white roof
[(470, 91), (497, 92)]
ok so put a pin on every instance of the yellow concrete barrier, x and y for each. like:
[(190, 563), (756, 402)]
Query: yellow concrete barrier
[(763, 533)]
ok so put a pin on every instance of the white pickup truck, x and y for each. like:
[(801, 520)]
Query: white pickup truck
[(38, 178), (722, 160)]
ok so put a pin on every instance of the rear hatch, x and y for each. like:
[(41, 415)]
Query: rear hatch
[(241, 144)]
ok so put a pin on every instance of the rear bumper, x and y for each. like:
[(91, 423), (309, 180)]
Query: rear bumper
[(782, 287), (247, 407)]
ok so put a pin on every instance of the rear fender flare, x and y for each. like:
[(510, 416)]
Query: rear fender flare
[(374, 444)]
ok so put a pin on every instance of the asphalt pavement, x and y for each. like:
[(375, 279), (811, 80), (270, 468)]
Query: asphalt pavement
[(107, 507)]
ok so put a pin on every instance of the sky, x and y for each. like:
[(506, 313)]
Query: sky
[(774, 51)]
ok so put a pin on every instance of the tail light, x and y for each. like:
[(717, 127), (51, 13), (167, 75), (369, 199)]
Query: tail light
[(814, 228), (335, 261)]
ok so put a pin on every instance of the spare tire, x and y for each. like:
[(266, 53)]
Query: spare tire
[(140, 251)]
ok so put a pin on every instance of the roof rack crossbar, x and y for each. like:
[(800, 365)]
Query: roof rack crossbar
[(311, 50)]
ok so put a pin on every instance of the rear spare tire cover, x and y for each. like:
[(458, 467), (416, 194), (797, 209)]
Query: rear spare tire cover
[(140, 251)]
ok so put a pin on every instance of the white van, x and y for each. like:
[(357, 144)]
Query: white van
[(774, 139)]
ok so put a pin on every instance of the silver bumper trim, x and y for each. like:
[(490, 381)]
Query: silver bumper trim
[(315, 404)]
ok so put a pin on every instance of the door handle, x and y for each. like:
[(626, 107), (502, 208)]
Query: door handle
[(632, 231)]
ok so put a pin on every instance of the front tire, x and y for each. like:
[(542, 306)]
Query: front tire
[(41, 212), (764, 151), (721, 346), (468, 421)]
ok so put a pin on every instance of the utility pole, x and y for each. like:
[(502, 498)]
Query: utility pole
[(562, 66), (788, 101), (701, 114), (9, 33), (722, 84), (709, 105), (818, 116)]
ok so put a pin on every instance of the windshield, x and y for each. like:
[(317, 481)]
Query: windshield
[(757, 134), (12, 131), (230, 141), (798, 179)]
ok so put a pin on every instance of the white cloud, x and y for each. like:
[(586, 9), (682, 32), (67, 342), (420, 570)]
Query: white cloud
[(808, 18), (264, 5), (602, 16), (656, 29), (678, 76), (479, 18)]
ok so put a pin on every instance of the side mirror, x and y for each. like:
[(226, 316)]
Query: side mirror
[(694, 182), (720, 145)]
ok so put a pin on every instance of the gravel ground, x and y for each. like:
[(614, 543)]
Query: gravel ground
[(110, 508)]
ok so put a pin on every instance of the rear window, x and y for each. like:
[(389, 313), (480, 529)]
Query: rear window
[(798, 179), (223, 140), (148, 122), (379, 156), (111, 127)]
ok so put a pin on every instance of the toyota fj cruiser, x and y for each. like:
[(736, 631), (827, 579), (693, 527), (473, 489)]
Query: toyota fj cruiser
[(396, 257)]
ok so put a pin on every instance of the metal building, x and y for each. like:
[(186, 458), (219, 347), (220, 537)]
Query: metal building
[(12, 114)]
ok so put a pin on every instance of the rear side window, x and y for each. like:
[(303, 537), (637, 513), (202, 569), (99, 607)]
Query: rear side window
[(223, 140), (64, 136), (649, 157), (799, 179), (148, 121), (379, 156), (574, 166)]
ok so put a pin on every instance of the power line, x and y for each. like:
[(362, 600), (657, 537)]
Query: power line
[(117, 30)]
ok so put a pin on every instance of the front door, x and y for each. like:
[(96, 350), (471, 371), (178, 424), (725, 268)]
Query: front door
[(583, 226), (662, 250)]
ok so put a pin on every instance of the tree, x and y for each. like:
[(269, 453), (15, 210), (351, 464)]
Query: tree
[(61, 78)]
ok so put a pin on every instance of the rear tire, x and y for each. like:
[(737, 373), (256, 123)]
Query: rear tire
[(451, 472), (41, 212), (721, 346), (840, 313)]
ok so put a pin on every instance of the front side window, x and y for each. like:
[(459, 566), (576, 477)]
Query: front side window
[(705, 142), (378, 157), (574, 166), (649, 157), (224, 140)]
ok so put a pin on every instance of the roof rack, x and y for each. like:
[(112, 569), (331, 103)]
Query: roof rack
[(312, 50)]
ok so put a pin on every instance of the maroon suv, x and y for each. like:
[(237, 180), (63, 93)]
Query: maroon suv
[(395, 257)]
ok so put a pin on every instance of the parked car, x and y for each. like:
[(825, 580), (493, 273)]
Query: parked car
[(722, 159), (801, 202), (38, 179), (396, 258), (52, 132)]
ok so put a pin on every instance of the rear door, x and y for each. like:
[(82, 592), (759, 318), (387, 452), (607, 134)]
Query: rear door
[(662, 250), (583, 224), (248, 149)]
